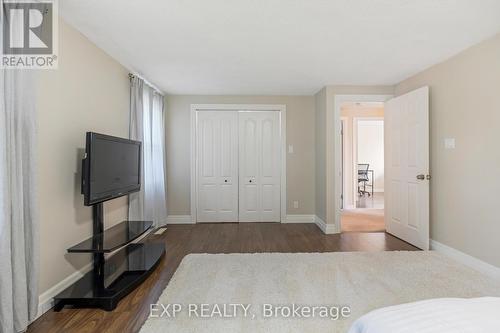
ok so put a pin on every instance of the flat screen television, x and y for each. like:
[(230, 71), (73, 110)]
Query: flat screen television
[(111, 168)]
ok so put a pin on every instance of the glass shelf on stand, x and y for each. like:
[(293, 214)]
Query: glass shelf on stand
[(113, 238)]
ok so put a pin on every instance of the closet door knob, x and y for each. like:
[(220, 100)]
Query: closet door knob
[(225, 180)]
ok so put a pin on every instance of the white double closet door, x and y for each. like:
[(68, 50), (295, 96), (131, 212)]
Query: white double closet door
[(238, 166)]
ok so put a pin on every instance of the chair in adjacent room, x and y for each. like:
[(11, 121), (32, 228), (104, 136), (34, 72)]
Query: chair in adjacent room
[(363, 179)]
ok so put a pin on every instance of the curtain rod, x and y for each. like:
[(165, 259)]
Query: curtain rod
[(132, 75)]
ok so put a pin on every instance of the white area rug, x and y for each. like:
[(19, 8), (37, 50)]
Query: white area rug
[(362, 281)]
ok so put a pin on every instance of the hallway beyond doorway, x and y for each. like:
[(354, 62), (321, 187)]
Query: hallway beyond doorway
[(362, 220), (375, 201)]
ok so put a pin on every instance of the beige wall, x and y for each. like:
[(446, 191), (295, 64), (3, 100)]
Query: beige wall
[(465, 105), (350, 179), (300, 134), (89, 92)]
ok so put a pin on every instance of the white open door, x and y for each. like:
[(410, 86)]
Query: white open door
[(407, 167)]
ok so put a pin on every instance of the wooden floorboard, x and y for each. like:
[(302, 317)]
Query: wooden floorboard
[(181, 240)]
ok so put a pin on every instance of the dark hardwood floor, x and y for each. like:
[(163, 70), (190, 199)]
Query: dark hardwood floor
[(181, 240)]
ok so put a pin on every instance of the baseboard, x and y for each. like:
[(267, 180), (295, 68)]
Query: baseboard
[(299, 218), (327, 229), (291, 218), (46, 299), (468, 260), (180, 219)]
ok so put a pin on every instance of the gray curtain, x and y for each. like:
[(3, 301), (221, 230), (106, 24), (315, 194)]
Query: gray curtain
[(18, 214), (147, 125)]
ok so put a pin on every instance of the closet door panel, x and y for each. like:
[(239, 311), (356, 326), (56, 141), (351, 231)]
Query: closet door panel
[(207, 168), (249, 201), (217, 166), (259, 167), (270, 166), (228, 176)]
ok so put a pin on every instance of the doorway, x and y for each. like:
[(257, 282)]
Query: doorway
[(362, 166), (406, 164)]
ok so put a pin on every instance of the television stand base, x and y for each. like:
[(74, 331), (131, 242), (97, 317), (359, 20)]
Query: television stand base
[(105, 285)]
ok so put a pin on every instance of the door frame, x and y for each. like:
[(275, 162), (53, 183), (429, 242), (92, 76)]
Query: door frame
[(333, 174), (343, 164), (195, 108)]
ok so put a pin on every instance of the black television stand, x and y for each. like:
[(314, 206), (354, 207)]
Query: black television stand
[(112, 277)]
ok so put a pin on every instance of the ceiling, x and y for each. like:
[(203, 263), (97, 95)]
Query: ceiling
[(271, 47)]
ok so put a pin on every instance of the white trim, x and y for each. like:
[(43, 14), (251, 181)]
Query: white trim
[(468, 260), (333, 185), (327, 229), (281, 108), (179, 219), (194, 184), (300, 218), (238, 107), (344, 121), (354, 165), (46, 299), (283, 161)]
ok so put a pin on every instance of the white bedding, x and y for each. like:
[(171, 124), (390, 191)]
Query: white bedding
[(441, 315)]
